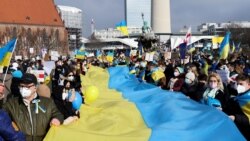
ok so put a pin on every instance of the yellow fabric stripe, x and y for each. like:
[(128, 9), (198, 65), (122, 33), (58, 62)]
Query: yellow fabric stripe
[(246, 110), (6, 59), (109, 118)]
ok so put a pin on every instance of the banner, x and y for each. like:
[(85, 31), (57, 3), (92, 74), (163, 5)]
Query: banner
[(40, 75)]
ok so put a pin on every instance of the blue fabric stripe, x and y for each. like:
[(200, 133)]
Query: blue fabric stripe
[(172, 116)]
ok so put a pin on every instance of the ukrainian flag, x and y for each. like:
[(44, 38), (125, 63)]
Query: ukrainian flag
[(110, 56), (98, 54), (122, 26), (233, 48), (6, 53), (244, 101), (127, 110), (225, 47), (80, 54)]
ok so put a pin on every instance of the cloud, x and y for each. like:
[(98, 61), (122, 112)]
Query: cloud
[(194, 12)]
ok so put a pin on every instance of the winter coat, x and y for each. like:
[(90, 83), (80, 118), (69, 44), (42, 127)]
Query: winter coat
[(37, 129), (7, 132)]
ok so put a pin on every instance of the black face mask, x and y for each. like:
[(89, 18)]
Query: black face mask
[(201, 84)]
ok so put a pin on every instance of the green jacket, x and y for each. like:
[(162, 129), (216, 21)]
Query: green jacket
[(36, 129)]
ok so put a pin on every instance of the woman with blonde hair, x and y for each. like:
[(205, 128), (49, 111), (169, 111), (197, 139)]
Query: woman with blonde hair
[(214, 94)]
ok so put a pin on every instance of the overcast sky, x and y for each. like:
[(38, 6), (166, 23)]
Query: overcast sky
[(106, 13)]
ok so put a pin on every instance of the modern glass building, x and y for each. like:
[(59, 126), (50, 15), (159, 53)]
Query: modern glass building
[(134, 10), (72, 19)]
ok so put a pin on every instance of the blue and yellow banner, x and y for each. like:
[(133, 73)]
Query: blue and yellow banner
[(127, 110)]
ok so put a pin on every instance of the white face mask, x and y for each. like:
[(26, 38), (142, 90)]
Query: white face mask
[(136, 65), (187, 81), (176, 73), (143, 64), (64, 95), (71, 78), (212, 85), (241, 89), (25, 92)]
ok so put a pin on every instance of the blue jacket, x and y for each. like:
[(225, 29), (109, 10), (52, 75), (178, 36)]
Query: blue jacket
[(7, 132)]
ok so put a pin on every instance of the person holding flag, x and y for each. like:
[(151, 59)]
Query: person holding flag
[(5, 57), (238, 107)]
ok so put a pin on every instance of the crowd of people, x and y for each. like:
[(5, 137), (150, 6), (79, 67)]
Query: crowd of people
[(30, 107)]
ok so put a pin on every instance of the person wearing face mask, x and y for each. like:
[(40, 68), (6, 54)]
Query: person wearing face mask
[(215, 90), (190, 85), (64, 99), (57, 72), (31, 113), (238, 107), (177, 81), (200, 87), (169, 71)]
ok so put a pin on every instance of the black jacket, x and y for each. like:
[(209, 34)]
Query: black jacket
[(241, 120)]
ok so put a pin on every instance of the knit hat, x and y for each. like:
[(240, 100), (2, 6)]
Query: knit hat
[(190, 75), (180, 69)]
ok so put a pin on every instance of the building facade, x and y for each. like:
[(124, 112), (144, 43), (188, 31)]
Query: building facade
[(114, 33), (36, 24), (137, 11), (72, 19), (221, 28)]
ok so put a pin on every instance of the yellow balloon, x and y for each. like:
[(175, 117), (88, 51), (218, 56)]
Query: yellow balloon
[(47, 80), (91, 94)]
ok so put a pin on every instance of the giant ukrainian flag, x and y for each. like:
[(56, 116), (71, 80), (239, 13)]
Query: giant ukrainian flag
[(6, 53), (128, 110)]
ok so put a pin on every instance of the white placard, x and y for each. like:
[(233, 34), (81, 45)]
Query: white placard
[(91, 55), (18, 57), (224, 74), (31, 50), (40, 75), (48, 66), (167, 55), (133, 52), (149, 56), (54, 55)]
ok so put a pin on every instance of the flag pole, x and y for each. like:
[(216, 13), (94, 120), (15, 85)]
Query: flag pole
[(9, 62)]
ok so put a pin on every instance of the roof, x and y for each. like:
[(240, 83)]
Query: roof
[(35, 12), (128, 42), (69, 9)]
